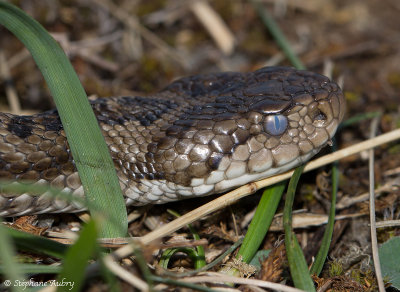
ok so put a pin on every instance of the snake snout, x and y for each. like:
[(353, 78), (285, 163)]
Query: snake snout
[(329, 112), (329, 109)]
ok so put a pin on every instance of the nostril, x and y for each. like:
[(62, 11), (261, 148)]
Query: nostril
[(319, 116)]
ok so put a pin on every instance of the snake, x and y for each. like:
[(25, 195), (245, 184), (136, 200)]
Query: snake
[(201, 135)]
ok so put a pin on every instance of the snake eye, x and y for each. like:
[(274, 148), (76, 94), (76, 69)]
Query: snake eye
[(275, 124)]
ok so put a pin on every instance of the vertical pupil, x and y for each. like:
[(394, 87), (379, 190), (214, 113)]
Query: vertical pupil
[(275, 124)]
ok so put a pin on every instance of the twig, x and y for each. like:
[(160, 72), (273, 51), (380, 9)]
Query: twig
[(19, 57), (387, 223), (97, 60), (214, 24), (351, 200), (98, 41), (308, 219), (132, 22), (72, 49), (125, 275), (394, 171), (222, 278)]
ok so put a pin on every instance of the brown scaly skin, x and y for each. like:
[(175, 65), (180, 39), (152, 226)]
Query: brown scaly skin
[(201, 135)]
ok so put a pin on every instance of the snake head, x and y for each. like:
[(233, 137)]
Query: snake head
[(289, 116), (296, 112), (234, 128)]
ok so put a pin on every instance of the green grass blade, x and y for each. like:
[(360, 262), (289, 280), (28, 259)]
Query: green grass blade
[(7, 253), (358, 118), (78, 256), (277, 34), (168, 254), (318, 264), (37, 244), (261, 221), (200, 258), (87, 144), (297, 263)]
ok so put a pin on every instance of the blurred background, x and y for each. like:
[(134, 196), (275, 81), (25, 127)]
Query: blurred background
[(128, 47)]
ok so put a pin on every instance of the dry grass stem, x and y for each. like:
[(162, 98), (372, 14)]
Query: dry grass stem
[(125, 275), (19, 58), (222, 278), (307, 220), (387, 223), (132, 22), (72, 49), (394, 171), (98, 41), (347, 201), (214, 24)]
